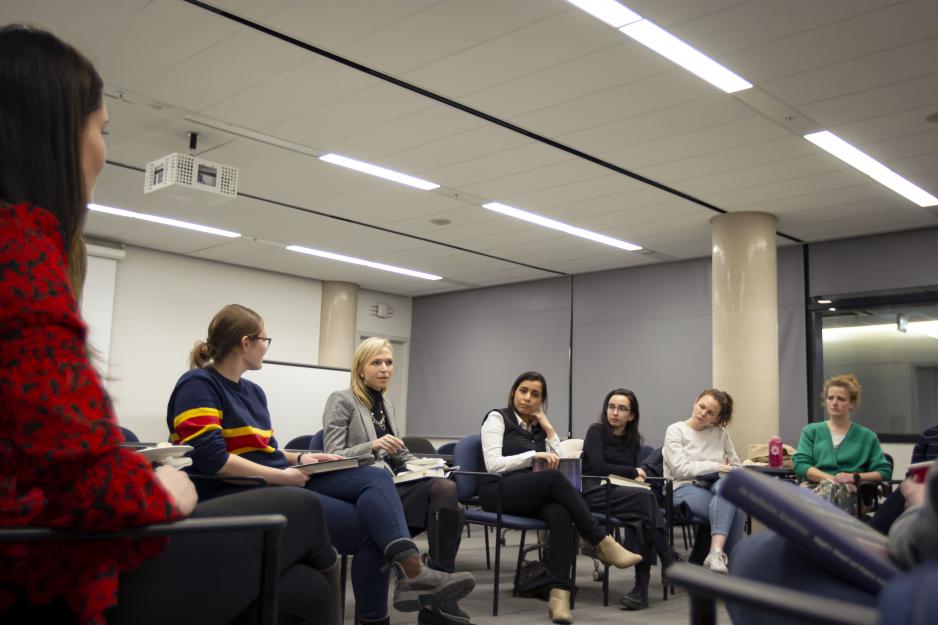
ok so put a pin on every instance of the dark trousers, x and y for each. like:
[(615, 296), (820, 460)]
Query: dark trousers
[(214, 578), (549, 496)]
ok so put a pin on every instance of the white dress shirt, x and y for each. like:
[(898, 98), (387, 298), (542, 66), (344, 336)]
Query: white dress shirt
[(493, 434)]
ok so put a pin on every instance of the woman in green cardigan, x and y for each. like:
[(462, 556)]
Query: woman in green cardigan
[(832, 454)]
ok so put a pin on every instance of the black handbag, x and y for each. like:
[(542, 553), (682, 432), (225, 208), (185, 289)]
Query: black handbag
[(533, 580)]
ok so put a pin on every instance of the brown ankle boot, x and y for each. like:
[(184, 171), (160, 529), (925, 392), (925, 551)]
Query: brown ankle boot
[(558, 606), (611, 553)]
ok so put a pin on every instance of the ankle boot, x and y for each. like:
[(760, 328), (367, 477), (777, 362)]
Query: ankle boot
[(444, 533), (558, 606), (611, 553), (637, 598)]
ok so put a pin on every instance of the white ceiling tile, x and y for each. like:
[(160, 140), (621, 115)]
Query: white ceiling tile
[(314, 84)]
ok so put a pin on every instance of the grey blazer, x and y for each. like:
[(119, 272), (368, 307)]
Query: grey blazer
[(347, 426)]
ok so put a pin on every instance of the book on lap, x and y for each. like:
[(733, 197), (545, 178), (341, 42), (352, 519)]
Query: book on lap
[(627, 482), (326, 466), (833, 539)]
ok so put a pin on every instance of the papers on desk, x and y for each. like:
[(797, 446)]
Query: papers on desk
[(421, 468), (167, 453)]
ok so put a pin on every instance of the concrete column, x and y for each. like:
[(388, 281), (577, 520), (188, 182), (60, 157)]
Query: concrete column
[(745, 323), (337, 324)]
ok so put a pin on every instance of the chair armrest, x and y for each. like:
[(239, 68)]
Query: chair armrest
[(705, 587), (250, 480), (176, 528), (271, 525)]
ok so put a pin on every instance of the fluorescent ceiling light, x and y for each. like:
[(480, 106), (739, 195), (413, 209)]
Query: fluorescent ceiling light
[(166, 221), (871, 167), (608, 11), (887, 330), (362, 262), (559, 225), (381, 172), (667, 45)]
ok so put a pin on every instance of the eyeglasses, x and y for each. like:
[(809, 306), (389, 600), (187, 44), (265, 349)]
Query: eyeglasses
[(266, 339), (617, 408)]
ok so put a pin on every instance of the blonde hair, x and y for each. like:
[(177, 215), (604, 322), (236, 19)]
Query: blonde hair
[(365, 351), (848, 382), (225, 331)]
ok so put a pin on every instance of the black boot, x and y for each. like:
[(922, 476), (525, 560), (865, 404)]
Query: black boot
[(637, 599), (444, 535), (666, 554)]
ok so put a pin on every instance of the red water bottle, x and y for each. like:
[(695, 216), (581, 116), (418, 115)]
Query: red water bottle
[(775, 451)]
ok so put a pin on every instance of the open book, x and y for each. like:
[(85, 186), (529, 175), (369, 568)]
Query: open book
[(826, 534), (619, 480), (327, 466)]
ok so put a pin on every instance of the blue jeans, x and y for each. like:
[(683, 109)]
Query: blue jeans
[(364, 515), (725, 518)]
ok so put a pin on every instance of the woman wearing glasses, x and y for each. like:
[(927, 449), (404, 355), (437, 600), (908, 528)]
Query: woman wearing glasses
[(359, 420), (225, 418), (612, 446)]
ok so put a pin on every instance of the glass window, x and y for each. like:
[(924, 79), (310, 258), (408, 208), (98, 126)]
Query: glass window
[(892, 348)]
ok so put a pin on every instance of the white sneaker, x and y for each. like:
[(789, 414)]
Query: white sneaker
[(717, 562)]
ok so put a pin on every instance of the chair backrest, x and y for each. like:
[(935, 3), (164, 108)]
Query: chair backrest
[(315, 442), (129, 435), (571, 448), (468, 455), (300, 442), (446, 448), (419, 445), (644, 453)]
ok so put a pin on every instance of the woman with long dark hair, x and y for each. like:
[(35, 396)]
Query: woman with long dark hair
[(512, 439), (612, 446)]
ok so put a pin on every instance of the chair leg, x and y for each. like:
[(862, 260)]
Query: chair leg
[(498, 570), (514, 591), (488, 557), (343, 573)]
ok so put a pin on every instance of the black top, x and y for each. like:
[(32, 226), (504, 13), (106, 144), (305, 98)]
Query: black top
[(378, 413), (604, 453)]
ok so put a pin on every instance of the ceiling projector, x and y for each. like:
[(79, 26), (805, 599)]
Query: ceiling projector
[(190, 178)]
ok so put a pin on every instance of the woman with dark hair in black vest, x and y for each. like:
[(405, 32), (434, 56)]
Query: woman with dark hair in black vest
[(612, 446), (512, 438)]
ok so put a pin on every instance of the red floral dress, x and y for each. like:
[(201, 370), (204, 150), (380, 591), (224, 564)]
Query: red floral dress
[(60, 464)]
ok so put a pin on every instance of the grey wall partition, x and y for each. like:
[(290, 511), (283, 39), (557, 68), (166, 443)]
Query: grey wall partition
[(885, 261), (792, 346), (468, 347), (647, 329)]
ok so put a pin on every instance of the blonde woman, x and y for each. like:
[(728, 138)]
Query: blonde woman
[(832, 454), (225, 419), (360, 420)]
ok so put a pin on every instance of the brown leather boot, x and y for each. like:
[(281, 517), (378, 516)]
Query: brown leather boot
[(611, 553), (558, 606)]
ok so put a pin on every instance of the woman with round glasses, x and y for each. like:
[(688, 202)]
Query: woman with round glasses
[(225, 419), (612, 446)]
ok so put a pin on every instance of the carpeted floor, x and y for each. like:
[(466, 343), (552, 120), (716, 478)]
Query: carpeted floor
[(517, 611)]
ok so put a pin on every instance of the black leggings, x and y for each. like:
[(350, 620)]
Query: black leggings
[(209, 579), (549, 496)]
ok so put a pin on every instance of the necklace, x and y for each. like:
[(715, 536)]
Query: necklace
[(381, 419)]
